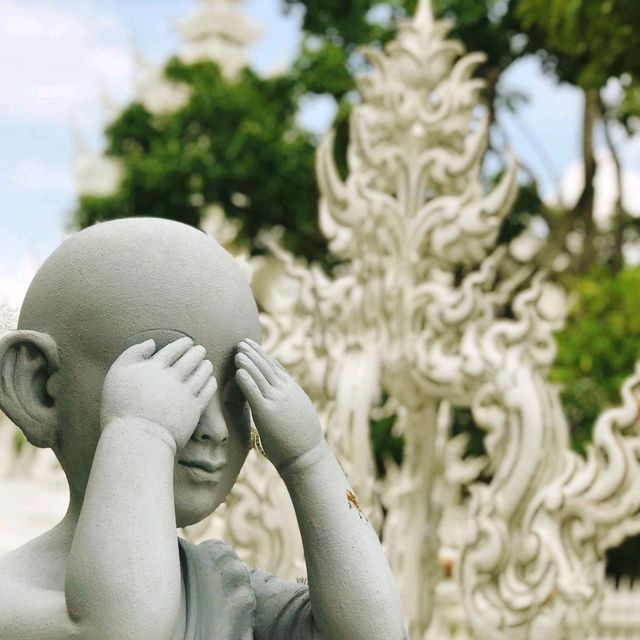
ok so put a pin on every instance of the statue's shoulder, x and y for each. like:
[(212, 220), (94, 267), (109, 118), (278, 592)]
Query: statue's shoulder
[(215, 548), (251, 602), (32, 598), (32, 565)]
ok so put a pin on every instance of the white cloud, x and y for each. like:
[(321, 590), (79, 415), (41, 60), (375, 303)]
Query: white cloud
[(15, 280), (572, 182), (55, 59), (34, 175)]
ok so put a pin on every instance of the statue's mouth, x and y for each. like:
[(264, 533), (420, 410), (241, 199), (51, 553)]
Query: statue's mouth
[(205, 465)]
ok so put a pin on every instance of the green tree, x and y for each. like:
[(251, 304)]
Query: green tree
[(587, 43), (234, 144), (583, 42)]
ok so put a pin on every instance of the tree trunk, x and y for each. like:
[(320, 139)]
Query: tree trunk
[(491, 77), (620, 214), (582, 213)]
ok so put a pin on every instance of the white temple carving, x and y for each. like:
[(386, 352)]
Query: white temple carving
[(221, 31)]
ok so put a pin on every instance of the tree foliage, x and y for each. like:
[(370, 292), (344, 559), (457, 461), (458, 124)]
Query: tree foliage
[(599, 346), (233, 144), (224, 147), (586, 41)]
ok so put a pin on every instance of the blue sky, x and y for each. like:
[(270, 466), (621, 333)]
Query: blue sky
[(61, 59)]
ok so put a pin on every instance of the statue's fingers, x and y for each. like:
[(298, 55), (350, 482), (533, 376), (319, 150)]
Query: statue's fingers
[(278, 367), (189, 361), (206, 393), (174, 350), (275, 367), (249, 388), (245, 363), (260, 360), (138, 352), (200, 376)]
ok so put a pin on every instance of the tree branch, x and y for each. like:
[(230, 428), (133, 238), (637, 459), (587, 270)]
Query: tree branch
[(582, 213), (620, 215)]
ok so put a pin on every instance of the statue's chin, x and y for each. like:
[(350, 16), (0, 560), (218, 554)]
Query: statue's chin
[(194, 504), (197, 495), (191, 514)]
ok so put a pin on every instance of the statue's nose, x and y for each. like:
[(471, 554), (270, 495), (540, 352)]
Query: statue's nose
[(212, 426)]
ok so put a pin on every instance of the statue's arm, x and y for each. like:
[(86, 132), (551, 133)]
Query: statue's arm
[(123, 568), (352, 593), (123, 576)]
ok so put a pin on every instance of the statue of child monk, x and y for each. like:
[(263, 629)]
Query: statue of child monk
[(135, 356)]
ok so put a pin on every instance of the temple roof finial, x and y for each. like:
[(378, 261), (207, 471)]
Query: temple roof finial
[(424, 12)]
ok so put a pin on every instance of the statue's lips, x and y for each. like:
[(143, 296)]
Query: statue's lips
[(203, 469)]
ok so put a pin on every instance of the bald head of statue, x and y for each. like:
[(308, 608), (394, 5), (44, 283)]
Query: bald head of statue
[(104, 289)]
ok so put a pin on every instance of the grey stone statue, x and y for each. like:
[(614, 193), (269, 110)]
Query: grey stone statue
[(135, 357)]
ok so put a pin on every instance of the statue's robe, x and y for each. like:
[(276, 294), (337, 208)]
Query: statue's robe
[(228, 601)]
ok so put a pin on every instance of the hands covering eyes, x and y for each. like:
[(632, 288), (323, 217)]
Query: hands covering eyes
[(170, 388), (283, 413)]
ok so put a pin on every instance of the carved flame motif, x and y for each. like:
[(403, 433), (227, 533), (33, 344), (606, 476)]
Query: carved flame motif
[(533, 565), (393, 321), (426, 313)]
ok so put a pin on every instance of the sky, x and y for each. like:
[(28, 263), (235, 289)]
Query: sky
[(65, 63)]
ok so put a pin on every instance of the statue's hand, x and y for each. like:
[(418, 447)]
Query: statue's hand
[(170, 388), (283, 413)]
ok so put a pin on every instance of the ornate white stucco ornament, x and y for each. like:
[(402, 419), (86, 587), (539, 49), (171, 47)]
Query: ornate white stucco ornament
[(533, 565), (8, 319), (424, 314), (393, 322), (410, 213)]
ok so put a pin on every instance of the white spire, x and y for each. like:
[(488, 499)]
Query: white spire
[(95, 174), (218, 30)]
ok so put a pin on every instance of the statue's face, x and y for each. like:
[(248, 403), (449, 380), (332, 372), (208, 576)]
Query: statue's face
[(208, 465)]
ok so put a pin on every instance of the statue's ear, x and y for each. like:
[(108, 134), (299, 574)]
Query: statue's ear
[(28, 360)]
